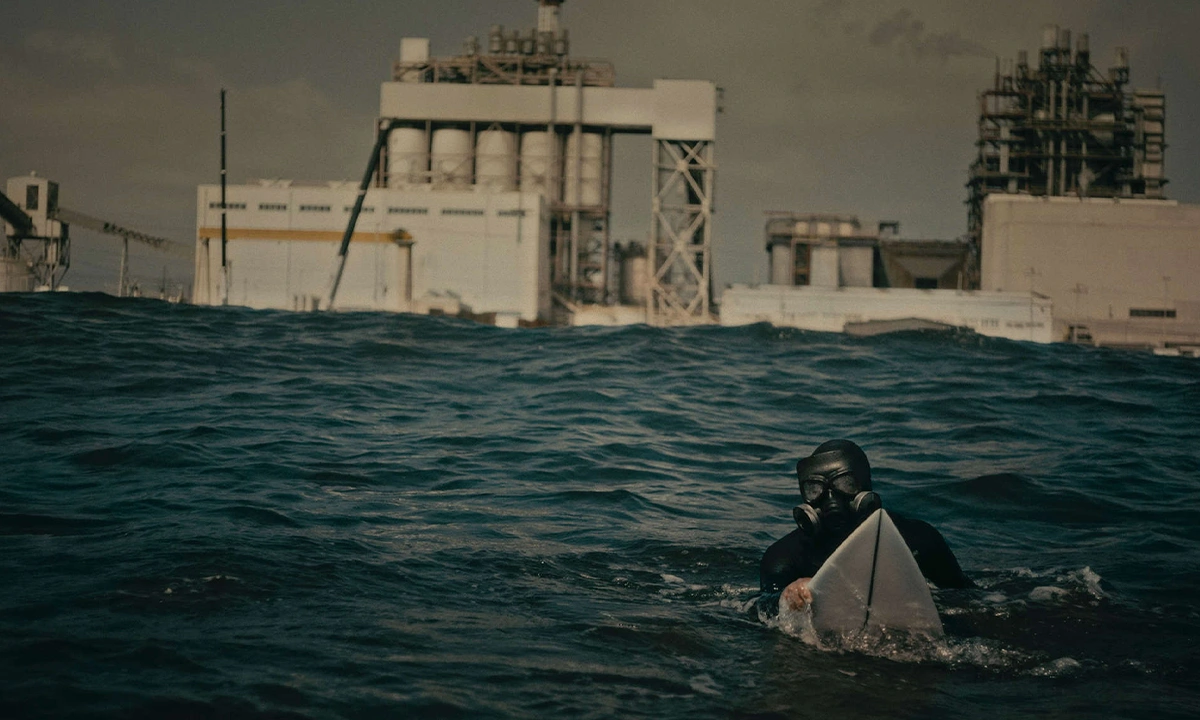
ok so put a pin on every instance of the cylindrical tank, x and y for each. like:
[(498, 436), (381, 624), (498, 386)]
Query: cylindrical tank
[(1049, 37), (408, 157), (633, 276), (450, 158), (845, 229), (1104, 136), (496, 161), (496, 40), (590, 172), (823, 265), (823, 229), (541, 163)]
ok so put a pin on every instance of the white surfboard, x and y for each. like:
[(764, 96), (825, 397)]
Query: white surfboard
[(872, 582)]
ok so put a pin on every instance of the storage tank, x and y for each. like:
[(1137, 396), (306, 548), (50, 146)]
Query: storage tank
[(408, 157), (496, 160), (1105, 136), (591, 168), (450, 158), (633, 271), (824, 265), (541, 163), (783, 267), (1049, 37)]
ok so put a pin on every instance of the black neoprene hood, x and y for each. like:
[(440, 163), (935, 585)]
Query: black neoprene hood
[(835, 457)]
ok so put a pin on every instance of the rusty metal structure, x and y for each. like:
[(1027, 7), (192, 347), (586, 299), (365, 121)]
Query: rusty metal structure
[(1065, 128)]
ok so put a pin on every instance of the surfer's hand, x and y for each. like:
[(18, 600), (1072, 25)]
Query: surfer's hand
[(797, 596)]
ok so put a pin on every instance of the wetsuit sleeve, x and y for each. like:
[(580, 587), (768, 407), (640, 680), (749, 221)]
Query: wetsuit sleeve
[(932, 553), (786, 561)]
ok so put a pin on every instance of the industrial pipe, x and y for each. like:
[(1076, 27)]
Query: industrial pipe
[(15, 216), (385, 130)]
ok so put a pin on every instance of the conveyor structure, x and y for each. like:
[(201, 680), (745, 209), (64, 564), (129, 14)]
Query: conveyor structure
[(37, 248)]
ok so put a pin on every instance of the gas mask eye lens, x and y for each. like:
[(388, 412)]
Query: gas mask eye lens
[(812, 488), (815, 486), (846, 484)]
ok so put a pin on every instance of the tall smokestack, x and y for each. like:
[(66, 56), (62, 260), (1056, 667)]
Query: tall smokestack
[(548, 16)]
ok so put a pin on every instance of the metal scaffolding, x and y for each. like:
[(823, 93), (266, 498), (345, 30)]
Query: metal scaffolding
[(679, 290), (1065, 128)]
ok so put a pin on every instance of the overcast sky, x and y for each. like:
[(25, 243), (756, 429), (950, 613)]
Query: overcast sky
[(855, 106)]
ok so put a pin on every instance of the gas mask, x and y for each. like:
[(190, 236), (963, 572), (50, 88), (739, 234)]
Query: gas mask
[(836, 488)]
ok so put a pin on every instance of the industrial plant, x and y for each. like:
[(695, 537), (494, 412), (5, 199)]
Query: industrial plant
[(1069, 234), (490, 197), (487, 195)]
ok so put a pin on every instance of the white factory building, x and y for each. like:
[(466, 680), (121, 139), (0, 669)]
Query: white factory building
[(491, 197), (1119, 271), (829, 274), (412, 251)]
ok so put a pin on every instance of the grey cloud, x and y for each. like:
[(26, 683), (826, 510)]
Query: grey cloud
[(947, 45), (901, 25), (910, 33)]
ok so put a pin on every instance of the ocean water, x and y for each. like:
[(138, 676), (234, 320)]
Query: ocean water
[(219, 512)]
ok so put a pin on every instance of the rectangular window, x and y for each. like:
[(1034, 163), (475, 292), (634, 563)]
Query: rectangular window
[(462, 211), (314, 208), (1152, 312), (365, 208), (228, 206), (408, 211), (925, 283), (273, 206), (31, 197), (510, 213)]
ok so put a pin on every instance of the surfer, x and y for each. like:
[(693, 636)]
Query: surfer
[(835, 485)]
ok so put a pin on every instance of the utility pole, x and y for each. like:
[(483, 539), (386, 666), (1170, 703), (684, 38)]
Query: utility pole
[(224, 230)]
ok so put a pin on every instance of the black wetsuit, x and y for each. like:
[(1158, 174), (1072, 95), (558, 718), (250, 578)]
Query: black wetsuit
[(796, 555)]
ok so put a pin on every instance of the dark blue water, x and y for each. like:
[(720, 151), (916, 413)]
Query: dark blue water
[(211, 512)]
